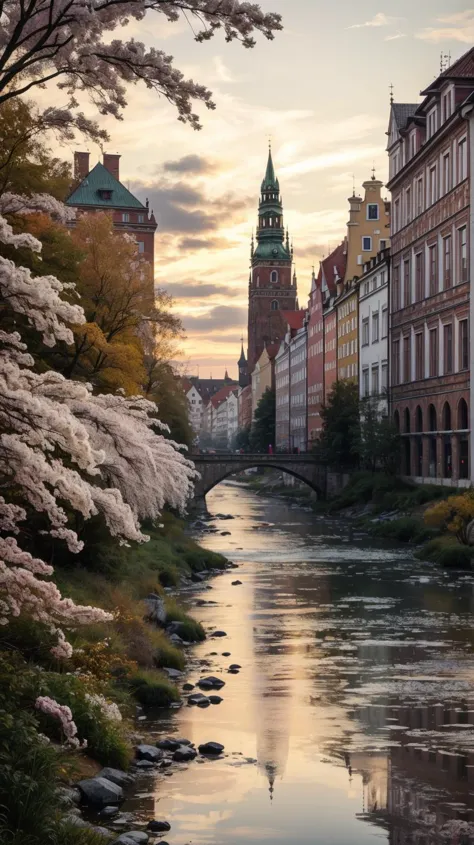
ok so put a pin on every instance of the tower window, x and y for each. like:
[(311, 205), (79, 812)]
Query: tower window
[(372, 211), (125, 217), (274, 305), (274, 276), (367, 244)]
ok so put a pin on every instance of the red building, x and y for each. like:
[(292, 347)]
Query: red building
[(100, 189), (429, 337), (331, 272), (272, 285)]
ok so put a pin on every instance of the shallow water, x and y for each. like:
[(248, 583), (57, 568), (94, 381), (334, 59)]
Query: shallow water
[(352, 718)]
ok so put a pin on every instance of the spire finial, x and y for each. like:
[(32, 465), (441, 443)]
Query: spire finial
[(373, 172), (391, 93), (353, 185)]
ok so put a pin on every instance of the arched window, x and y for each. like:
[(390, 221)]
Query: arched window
[(463, 417), (432, 419), (446, 417), (407, 421), (274, 305), (418, 419), (274, 276), (396, 420)]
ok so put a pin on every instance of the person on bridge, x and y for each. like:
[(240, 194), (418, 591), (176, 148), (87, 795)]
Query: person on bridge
[(270, 449)]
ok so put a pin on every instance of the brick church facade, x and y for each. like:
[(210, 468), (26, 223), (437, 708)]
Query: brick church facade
[(272, 283)]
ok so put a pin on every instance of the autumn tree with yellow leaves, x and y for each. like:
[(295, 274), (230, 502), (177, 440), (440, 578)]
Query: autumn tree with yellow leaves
[(454, 514)]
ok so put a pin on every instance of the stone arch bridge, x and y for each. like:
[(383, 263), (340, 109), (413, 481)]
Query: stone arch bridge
[(215, 468)]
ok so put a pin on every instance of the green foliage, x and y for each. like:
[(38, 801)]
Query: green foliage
[(165, 389), (407, 529), (340, 437), (379, 440), (192, 631), (151, 689), (242, 439), (455, 557), (262, 434)]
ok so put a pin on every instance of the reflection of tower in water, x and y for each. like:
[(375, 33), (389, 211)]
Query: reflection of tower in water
[(273, 687)]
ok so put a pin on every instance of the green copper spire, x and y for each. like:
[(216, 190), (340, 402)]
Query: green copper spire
[(270, 182), (270, 231)]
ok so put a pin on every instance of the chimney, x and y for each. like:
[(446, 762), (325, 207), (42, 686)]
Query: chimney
[(111, 163), (81, 165)]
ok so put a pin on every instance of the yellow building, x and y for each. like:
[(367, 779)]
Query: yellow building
[(263, 376), (368, 231)]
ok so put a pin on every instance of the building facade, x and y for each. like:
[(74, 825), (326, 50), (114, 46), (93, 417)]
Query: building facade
[(195, 406), (263, 376), (298, 352), (272, 283), (331, 274), (315, 362), (282, 398), (429, 336), (368, 231), (100, 189), (373, 331), (244, 398)]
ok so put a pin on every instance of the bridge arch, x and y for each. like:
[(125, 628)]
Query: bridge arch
[(216, 468)]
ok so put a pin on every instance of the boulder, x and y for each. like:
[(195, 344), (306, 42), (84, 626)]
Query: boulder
[(149, 752), (168, 744), (184, 741), (197, 698), (234, 666), (108, 812), (203, 703), (225, 533), (184, 754), (68, 797), (158, 826), (156, 611), (133, 837), (211, 749), (173, 674), (102, 831), (211, 683), (226, 654), (116, 776), (144, 765), (236, 583), (233, 671), (100, 792), (188, 687), (215, 699), (219, 634)]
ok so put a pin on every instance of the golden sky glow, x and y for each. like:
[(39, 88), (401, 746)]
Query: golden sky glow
[(321, 90)]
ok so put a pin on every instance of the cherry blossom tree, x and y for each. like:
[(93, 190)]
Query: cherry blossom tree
[(64, 450), (69, 42)]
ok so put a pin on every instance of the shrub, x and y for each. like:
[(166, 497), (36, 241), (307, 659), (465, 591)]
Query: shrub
[(455, 556), (191, 630), (404, 529), (152, 689), (453, 514)]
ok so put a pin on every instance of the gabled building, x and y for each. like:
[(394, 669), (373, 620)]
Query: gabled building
[(263, 376), (368, 231), (331, 273), (286, 368), (100, 189), (431, 185)]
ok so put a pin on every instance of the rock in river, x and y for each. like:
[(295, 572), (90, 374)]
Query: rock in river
[(219, 634), (168, 744), (116, 776), (158, 827), (211, 749), (100, 792), (133, 837), (149, 752), (197, 698), (184, 754), (236, 583), (211, 683), (215, 699), (156, 611)]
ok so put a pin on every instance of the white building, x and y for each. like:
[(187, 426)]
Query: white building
[(298, 389), (195, 407), (373, 331)]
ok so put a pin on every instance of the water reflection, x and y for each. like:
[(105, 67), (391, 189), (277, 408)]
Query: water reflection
[(352, 719)]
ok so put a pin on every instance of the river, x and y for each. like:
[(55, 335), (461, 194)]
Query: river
[(352, 717)]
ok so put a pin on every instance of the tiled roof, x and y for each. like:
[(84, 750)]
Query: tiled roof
[(402, 112), (294, 318), (334, 264), (223, 393), (101, 179), (463, 68), (272, 349)]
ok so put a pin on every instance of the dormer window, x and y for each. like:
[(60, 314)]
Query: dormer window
[(432, 122), (446, 105), (413, 143), (105, 193)]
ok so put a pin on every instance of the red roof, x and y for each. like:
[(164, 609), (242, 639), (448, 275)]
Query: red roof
[(463, 68), (333, 267), (223, 393), (272, 350), (294, 319)]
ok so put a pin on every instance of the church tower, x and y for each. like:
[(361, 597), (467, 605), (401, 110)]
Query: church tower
[(272, 286), (243, 368)]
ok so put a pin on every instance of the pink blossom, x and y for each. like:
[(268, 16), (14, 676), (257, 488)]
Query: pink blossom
[(63, 715)]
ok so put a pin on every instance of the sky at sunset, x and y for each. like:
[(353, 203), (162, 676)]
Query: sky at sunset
[(321, 90)]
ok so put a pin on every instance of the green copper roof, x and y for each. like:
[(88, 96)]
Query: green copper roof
[(271, 251), (270, 180), (100, 179)]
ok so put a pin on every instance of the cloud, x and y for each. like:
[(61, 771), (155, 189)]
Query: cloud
[(196, 244), (218, 318), (190, 164), (380, 19), (395, 37), (460, 27), (326, 160), (197, 290), (222, 72)]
